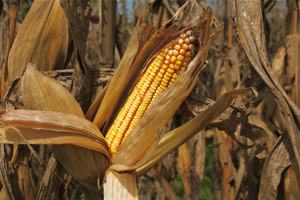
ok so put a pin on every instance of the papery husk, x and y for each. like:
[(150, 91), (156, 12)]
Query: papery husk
[(42, 40), (136, 56), (145, 133), (42, 93), (120, 186)]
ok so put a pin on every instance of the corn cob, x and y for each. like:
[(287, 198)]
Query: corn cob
[(160, 73)]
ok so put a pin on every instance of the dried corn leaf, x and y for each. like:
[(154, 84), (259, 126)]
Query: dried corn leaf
[(120, 186), (135, 57), (292, 48), (278, 61), (275, 164), (25, 179), (250, 32), (252, 130), (42, 40), (199, 155), (9, 182), (42, 93), (185, 162)]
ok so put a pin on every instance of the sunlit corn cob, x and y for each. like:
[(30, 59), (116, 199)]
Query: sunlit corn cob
[(160, 73)]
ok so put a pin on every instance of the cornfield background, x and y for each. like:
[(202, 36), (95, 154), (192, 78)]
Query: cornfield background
[(249, 150)]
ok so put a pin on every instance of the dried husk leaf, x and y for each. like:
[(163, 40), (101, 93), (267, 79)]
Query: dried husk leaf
[(120, 186), (40, 127), (136, 55), (84, 165), (47, 127), (150, 124), (40, 92), (42, 40)]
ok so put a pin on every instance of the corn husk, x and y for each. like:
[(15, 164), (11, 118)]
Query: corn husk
[(42, 40), (120, 186), (34, 88)]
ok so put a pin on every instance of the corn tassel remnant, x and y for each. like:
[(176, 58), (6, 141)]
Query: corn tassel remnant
[(160, 73)]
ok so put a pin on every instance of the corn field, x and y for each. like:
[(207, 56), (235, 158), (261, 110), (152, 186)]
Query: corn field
[(151, 99)]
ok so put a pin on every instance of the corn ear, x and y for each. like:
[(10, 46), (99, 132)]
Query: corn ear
[(160, 73)]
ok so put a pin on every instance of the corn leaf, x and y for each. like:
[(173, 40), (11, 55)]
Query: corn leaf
[(251, 35), (276, 163), (42, 40)]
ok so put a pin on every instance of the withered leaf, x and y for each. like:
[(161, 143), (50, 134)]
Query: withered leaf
[(277, 161), (250, 33), (42, 40)]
